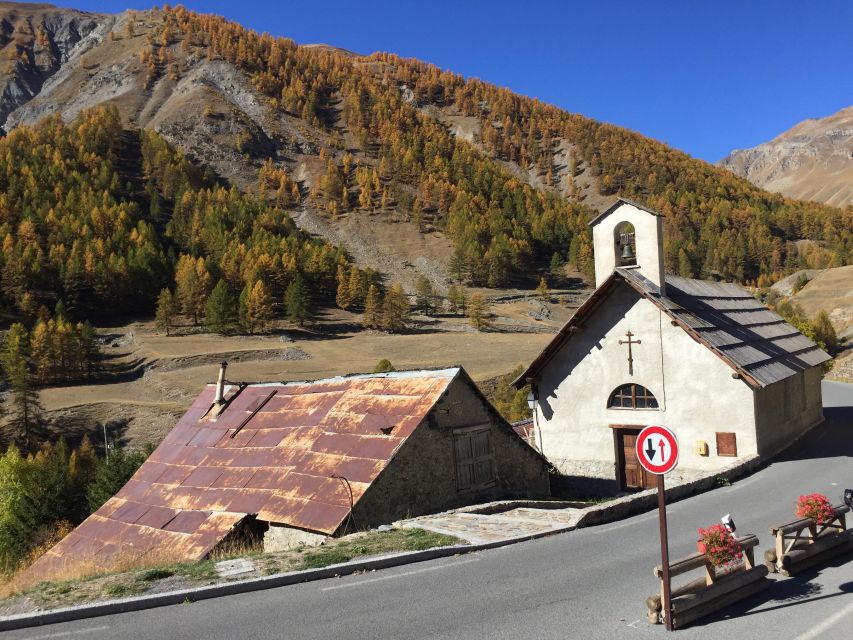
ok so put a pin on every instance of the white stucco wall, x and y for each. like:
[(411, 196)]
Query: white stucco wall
[(787, 409), (648, 238), (696, 393)]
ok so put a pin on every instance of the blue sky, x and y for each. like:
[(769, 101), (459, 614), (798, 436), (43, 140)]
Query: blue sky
[(703, 77)]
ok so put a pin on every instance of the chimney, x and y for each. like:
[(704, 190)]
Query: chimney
[(219, 401)]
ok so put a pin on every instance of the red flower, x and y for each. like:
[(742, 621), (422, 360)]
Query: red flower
[(719, 544), (815, 506)]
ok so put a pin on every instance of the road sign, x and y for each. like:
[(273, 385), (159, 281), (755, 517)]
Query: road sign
[(657, 449)]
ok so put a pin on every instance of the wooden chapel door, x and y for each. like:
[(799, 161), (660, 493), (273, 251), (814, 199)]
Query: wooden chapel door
[(631, 474)]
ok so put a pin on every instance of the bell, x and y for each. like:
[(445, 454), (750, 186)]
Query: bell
[(627, 253)]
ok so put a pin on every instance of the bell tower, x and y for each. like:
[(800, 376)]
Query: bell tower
[(631, 236)]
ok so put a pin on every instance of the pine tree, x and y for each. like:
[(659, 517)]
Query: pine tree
[(111, 474), (220, 311), (259, 310), (557, 267), (297, 301), (372, 318), (167, 309), (424, 295), (89, 351), (478, 312), (395, 309), (25, 399)]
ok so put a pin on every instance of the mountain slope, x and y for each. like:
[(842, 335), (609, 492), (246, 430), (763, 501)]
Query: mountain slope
[(811, 161), (415, 170)]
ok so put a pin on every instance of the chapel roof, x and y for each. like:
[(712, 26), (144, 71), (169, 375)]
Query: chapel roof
[(724, 317), (298, 454), (618, 203)]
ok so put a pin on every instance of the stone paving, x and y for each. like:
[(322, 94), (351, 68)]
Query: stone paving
[(478, 528)]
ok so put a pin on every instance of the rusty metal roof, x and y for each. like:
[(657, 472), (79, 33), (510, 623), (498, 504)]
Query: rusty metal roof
[(277, 451)]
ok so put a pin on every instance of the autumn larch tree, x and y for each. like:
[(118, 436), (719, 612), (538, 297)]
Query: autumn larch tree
[(167, 309), (395, 309)]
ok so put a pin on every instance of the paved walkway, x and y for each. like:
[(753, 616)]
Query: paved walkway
[(480, 528)]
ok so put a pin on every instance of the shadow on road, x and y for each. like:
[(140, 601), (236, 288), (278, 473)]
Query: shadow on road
[(783, 593)]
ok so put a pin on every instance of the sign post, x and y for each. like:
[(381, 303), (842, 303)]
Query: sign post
[(657, 451)]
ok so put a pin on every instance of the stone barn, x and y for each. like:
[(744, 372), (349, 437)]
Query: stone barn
[(730, 378), (300, 461)]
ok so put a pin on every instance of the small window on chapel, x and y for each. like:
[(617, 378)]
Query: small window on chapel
[(632, 396)]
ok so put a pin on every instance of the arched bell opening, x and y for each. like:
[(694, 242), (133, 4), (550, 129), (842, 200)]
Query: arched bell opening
[(625, 245)]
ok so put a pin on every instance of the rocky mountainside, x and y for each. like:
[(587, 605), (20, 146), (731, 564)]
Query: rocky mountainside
[(412, 170), (811, 161)]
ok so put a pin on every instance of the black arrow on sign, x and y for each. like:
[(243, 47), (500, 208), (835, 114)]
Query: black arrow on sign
[(650, 450)]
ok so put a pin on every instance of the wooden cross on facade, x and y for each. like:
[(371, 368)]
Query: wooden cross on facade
[(630, 342)]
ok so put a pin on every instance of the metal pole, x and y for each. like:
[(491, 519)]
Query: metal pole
[(664, 554)]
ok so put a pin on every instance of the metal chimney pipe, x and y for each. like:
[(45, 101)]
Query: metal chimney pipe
[(219, 401)]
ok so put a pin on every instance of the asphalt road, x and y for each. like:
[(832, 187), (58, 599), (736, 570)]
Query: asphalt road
[(590, 583)]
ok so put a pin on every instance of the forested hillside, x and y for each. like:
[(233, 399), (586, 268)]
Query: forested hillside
[(715, 222), (100, 219), (201, 104)]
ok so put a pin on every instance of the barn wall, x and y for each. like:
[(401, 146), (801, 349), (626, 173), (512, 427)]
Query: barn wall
[(696, 393), (421, 477)]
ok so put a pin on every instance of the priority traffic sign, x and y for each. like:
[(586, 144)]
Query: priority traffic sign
[(657, 449)]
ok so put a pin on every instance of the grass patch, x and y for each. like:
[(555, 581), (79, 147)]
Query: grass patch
[(47, 595), (155, 574), (123, 589), (372, 543)]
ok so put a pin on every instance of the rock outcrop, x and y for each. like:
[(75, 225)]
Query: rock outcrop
[(811, 161)]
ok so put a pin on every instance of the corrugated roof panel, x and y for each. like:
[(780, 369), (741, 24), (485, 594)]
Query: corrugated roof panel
[(200, 482)]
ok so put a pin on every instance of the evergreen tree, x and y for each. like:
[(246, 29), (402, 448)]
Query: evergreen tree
[(220, 311), (25, 400), (167, 309), (557, 267), (424, 295), (372, 318), (395, 309), (297, 301), (259, 310), (111, 474)]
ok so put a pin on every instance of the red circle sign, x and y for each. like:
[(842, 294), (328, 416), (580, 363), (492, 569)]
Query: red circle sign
[(657, 449)]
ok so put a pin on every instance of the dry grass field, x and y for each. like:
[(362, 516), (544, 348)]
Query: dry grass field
[(150, 379)]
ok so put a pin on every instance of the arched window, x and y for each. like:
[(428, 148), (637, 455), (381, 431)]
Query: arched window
[(632, 396)]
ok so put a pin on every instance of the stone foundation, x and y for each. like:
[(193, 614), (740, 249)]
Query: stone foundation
[(278, 538)]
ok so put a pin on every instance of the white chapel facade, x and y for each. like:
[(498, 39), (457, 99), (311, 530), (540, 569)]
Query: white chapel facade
[(730, 378)]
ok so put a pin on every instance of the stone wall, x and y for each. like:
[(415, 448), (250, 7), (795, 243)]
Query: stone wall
[(421, 477)]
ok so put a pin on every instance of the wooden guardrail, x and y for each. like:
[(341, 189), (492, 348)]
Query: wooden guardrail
[(804, 543), (713, 591)]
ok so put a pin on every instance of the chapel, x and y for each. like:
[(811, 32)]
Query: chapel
[(732, 379)]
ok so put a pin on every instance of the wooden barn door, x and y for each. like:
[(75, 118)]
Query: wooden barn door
[(631, 475)]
